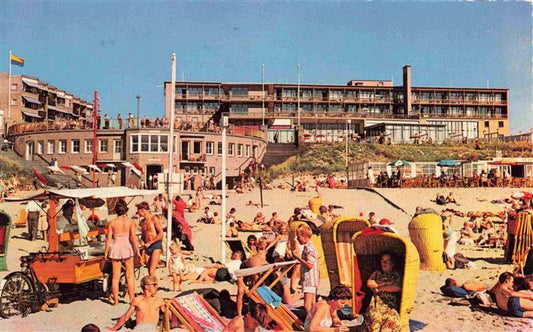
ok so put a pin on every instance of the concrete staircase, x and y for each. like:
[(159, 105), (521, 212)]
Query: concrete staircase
[(41, 165), (277, 153)]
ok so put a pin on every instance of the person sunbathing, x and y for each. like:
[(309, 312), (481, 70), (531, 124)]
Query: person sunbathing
[(453, 288), (244, 226), (451, 199), (146, 307), (232, 232), (516, 304), (259, 219), (222, 272)]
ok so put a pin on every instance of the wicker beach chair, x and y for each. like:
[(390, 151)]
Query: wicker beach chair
[(337, 243), (280, 314), (193, 312), (523, 240), (368, 247)]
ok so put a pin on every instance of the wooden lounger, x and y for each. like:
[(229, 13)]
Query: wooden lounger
[(194, 313), (282, 315), (235, 244)]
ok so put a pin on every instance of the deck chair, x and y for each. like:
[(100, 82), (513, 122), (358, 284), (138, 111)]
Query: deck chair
[(280, 314), (238, 245), (192, 311)]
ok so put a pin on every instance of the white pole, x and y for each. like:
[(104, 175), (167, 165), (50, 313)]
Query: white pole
[(263, 91), (9, 89), (347, 131), (298, 97), (224, 126), (171, 157)]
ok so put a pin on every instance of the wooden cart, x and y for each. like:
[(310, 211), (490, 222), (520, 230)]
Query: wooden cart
[(51, 274)]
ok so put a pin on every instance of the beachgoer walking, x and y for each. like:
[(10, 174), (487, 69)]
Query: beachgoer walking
[(122, 231)]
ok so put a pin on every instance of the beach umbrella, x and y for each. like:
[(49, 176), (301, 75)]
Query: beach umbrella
[(448, 163), (399, 163)]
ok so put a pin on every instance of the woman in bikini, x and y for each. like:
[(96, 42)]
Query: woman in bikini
[(121, 251), (323, 314)]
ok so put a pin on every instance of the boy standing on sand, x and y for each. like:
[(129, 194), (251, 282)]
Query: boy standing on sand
[(146, 307), (152, 234), (309, 262)]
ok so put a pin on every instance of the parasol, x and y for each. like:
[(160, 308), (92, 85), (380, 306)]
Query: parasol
[(399, 163), (448, 163)]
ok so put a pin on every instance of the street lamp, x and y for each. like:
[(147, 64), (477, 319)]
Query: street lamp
[(138, 114)]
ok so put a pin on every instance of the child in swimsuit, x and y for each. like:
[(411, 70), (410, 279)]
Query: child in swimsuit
[(176, 266)]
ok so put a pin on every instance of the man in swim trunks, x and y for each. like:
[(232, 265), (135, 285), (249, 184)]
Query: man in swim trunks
[(152, 234), (516, 304), (146, 307)]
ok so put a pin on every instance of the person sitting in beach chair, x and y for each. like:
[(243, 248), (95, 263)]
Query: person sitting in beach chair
[(516, 304), (385, 285), (146, 306)]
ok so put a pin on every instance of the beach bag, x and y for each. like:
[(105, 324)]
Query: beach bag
[(461, 262), (381, 317)]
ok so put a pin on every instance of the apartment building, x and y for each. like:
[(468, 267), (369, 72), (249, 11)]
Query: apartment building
[(30, 99), (315, 113)]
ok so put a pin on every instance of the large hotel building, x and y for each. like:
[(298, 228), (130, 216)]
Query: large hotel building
[(369, 108)]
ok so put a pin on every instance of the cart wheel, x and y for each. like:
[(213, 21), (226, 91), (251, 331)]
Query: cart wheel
[(17, 296)]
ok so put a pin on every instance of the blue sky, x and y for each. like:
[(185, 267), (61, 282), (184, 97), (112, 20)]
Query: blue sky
[(124, 49)]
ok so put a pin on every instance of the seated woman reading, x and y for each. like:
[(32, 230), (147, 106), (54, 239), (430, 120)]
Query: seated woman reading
[(323, 314), (385, 285)]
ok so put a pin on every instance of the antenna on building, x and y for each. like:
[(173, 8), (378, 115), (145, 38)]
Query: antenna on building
[(488, 85), (183, 76)]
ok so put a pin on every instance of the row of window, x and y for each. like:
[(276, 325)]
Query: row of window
[(159, 143), (350, 94), (75, 146)]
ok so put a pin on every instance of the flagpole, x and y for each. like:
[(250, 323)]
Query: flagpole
[(9, 89), (171, 157)]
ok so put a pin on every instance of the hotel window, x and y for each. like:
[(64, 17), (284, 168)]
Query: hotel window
[(62, 146), (247, 151), (51, 147), (14, 87), (288, 108), (103, 147), (154, 143), (231, 149), (306, 93), (211, 106), (75, 146), (40, 147), (197, 147), (486, 124), (500, 124), (336, 95), (219, 148), (211, 91), (209, 148), (306, 108), (289, 93), (212, 170), (239, 92), (145, 143), (117, 146), (195, 91), (239, 108), (13, 101), (163, 143), (88, 145), (134, 143), (239, 150)]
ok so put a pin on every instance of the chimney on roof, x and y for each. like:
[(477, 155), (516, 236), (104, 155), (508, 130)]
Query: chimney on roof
[(407, 88)]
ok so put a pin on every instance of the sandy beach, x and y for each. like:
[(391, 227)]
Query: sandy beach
[(431, 307)]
